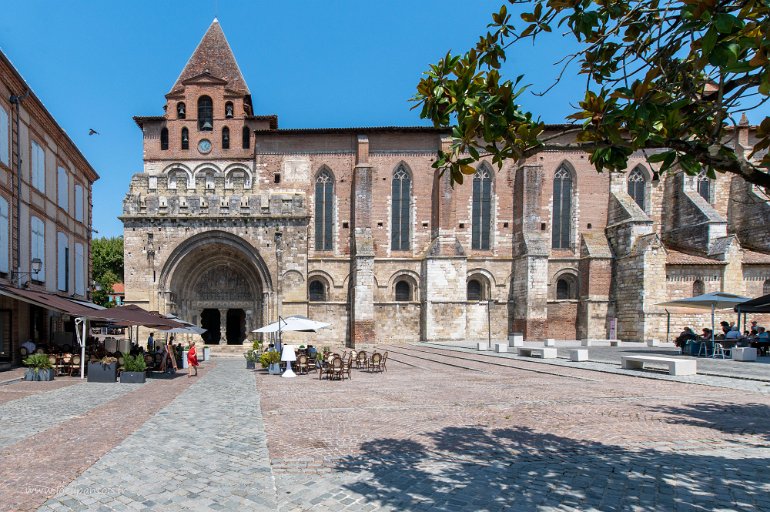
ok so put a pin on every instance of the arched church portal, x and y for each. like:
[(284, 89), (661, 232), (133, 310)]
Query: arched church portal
[(216, 282)]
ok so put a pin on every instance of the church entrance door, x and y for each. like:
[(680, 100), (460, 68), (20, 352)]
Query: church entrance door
[(236, 326), (210, 322)]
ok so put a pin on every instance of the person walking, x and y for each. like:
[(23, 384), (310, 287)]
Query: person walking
[(192, 361)]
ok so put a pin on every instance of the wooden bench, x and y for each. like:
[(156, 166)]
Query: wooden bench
[(675, 366), (545, 353)]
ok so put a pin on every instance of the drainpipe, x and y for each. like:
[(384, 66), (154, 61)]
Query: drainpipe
[(16, 100)]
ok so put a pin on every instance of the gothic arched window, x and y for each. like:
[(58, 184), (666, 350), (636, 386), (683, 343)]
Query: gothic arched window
[(403, 291), (637, 187), (185, 139), (316, 291), (225, 138), (481, 222), (400, 203), (246, 137), (474, 289), (704, 186), (562, 209), (205, 114), (566, 287), (164, 138), (698, 288), (324, 209)]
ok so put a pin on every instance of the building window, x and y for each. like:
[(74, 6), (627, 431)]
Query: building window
[(637, 187), (474, 290), (400, 202), (4, 236), (704, 186), (62, 262), (481, 222), (79, 203), (229, 110), (246, 136), (205, 114), (698, 288), (403, 291), (566, 287), (324, 210), (80, 282), (37, 246), (5, 137), (317, 291), (38, 167), (63, 188), (562, 209), (164, 139), (181, 111), (225, 138), (765, 287), (185, 139)]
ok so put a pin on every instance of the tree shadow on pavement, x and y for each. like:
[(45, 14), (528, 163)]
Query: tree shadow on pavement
[(742, 419), (471, 468)]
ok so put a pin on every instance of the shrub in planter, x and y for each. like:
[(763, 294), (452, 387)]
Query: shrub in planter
[(270, 361), (251, 359), (133, 369), (105, 370), (39, 368)]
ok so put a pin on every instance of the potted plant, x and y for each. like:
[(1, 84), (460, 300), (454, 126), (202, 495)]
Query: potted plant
[(133, 369), (271, 360), (251, 359), (39, 368), (105, 370)]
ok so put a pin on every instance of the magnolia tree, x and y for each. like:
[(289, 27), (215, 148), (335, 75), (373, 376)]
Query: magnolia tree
[(668, 78)]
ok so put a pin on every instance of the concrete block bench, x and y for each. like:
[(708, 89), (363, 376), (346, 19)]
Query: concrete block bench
[(545, 353), (653, 343), (586, 343), (675, 366), (578, 354), (501, 347), (744, 354), (615, 343), (550, 342), (482, 345), (516, 339)]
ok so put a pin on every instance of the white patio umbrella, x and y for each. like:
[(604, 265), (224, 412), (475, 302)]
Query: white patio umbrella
[(293, 323), (712, 301)]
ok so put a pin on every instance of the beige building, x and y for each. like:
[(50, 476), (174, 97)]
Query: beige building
[(234, 221), (45, 216)]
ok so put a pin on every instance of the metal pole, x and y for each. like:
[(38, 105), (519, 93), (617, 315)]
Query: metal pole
[(489, 325)]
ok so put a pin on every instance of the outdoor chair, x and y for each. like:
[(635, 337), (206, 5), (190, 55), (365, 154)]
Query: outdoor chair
[(347, 365), (384, 361), (74, 365), (375, 363), (361, 360), (24, 353), (302, 364), (55, 364), (149, 361), (336, 368), (721, 351)]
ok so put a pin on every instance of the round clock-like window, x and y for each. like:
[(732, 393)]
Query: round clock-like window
[(204, 146)]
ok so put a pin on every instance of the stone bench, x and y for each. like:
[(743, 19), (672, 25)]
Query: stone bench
[(744, 354), (482, 345), (501, 347), (550, 342), (545, 353), (675, 366), (578, 354)]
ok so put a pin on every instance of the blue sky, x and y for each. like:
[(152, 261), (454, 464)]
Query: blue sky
[(95, 64)]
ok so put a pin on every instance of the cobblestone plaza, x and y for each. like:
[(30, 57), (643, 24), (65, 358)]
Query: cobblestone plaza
[(445, 428)]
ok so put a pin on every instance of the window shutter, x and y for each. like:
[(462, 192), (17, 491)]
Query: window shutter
[(4, 137), (4, 237), (80, 288), (61, 262)]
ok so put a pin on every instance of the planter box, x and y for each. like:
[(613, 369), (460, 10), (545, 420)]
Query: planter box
[(250, 365), (98, 372), (39, 375), (132, 377), (274, 369)]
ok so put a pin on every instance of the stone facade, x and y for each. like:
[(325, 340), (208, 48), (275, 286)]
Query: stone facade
[(234, 222)]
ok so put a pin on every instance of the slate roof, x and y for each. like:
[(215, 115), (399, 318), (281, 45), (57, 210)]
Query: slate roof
[(213, 56)]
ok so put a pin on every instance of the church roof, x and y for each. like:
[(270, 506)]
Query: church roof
[(213, 57), (680, 258)]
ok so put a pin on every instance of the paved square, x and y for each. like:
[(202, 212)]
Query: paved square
[(440, 430)]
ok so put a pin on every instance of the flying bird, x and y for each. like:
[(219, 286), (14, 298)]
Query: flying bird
[(91, 131)]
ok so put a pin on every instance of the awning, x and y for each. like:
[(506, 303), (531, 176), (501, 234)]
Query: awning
[(51, 301)]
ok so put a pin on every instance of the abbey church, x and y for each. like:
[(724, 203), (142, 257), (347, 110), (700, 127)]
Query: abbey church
[(234, 221)]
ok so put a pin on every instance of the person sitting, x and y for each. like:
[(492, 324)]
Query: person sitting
[(733, 334), (686, 335), (311, 351)]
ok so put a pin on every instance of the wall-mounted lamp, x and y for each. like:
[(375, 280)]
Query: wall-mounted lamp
[(36, 265)]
